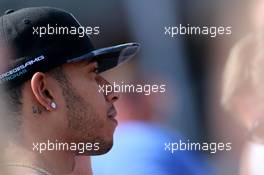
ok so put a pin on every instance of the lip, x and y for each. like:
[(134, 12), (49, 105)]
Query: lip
[(114, 120), (111, 114)]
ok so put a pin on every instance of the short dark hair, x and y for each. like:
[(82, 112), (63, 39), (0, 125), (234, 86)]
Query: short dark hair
[(11, 104)]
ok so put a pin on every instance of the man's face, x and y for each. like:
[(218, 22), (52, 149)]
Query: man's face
[(89, 112)]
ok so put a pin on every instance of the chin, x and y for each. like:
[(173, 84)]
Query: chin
[(101, 148), (104, 147), (101, 144), (102, 151)]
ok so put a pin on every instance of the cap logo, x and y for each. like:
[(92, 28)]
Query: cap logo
[(19, 70)]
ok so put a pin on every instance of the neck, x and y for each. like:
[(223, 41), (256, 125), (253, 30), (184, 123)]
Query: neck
[(82, 166), (54, 162)]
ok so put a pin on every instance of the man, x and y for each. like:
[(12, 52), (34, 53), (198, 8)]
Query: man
[(54, 106)]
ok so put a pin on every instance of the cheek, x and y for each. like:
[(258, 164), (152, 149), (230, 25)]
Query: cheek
[(88, 89), (90, 93)]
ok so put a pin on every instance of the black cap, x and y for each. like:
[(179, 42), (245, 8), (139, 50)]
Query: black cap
[(32, 52)]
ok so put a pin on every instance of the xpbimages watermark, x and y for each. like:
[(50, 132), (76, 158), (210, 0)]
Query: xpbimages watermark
[(146, 89), (211, 31), (212, 147), (61, 146), (62, 30)]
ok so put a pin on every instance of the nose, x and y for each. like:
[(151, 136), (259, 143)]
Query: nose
[(112, 96)]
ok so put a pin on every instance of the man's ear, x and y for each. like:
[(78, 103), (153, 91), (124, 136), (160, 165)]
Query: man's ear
[(41, 90)]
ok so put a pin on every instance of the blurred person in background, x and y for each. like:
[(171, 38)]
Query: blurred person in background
[(140, 139), (243, 97), (244, 63), (257, 15)]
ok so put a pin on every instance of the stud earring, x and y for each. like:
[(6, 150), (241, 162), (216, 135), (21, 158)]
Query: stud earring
[(53, 105)]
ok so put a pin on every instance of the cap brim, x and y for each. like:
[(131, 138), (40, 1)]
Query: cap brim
[(110, 57)]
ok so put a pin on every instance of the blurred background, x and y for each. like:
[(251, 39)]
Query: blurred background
[(190, 66)]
